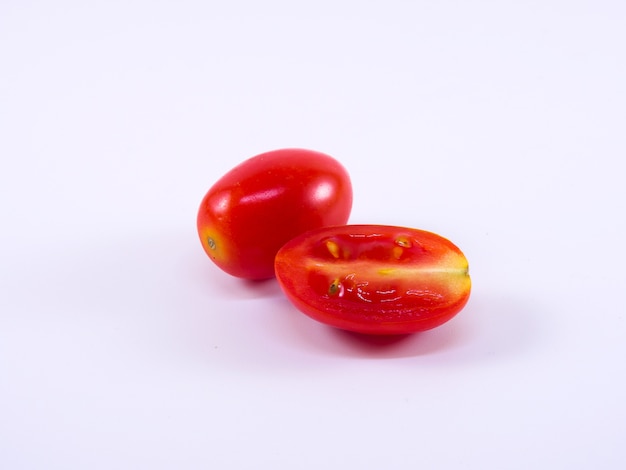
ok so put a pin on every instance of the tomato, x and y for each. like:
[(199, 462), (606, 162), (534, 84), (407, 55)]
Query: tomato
[(255, 208), (374, 279)]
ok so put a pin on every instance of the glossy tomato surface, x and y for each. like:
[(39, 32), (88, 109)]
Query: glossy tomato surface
[(255, 208), (374, 279)]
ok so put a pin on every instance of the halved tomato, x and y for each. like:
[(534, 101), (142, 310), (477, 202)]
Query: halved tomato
[(374, 279)]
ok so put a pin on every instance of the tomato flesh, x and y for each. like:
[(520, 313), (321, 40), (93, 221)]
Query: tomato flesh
[(374, 279), (255, 208)]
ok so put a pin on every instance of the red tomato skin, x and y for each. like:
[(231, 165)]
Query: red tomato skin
[(265, 201), (374, 279)]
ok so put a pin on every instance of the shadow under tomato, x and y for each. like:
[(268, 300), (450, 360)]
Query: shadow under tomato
[(489, 327), (330, 340), (261, 288), (374, 342), (229, 287), (394, 346)]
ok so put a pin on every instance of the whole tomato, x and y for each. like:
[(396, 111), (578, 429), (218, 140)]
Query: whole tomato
[(267, 200), (374, 279)]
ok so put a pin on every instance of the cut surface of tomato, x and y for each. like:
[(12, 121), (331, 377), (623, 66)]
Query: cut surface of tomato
[(374, 279)]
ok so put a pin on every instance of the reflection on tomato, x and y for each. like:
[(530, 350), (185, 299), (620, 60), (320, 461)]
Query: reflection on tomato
[(374, 279), (255, 208)]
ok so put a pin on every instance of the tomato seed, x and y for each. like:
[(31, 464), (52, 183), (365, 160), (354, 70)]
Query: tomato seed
[(333, 248), (334, 288)]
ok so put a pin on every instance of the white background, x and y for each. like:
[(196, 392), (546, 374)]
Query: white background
[(500, 125)]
